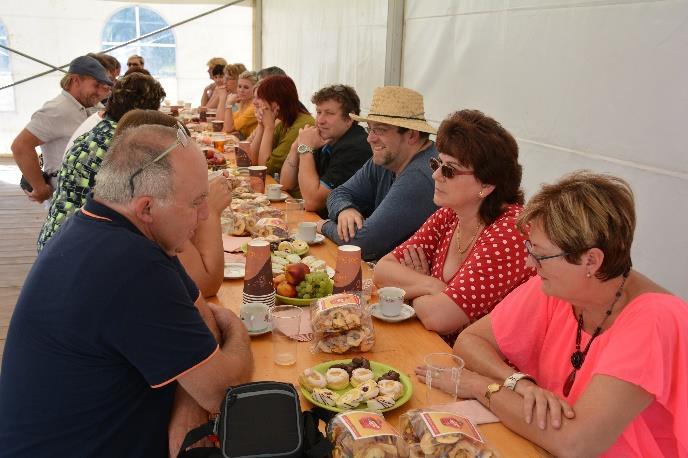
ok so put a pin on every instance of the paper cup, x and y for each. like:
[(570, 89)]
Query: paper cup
[(257, 174), (217, 125), (258, 277), (242, 154), (347, 277)]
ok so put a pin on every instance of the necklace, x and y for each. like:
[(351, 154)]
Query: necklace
[(578, 356), (470, 242)]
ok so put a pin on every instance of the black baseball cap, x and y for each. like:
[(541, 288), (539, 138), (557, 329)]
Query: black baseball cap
[(87, 65)]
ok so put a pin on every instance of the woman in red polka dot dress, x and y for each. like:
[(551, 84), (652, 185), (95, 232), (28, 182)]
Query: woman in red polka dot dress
[(468, 255)]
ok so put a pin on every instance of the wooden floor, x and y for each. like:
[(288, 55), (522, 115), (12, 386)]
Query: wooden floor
[(20, 222)]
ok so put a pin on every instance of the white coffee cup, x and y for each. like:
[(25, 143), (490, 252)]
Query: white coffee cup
[(306, 231), (255, 316), (391, 300), (274, 191)]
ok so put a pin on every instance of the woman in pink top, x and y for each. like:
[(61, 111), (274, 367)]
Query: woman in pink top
[(606, 349), (468, 255)]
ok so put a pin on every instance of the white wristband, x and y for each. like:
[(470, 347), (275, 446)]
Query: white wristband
[(513, 379)]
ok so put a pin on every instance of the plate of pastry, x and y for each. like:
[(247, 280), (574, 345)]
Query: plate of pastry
[(355, 384)]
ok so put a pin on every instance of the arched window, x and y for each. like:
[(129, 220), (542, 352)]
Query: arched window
[(158, 51), (6, 95)]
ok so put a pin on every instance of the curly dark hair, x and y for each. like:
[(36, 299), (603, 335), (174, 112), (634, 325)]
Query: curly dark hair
[(345, 95), (134, 91), (479, 142)]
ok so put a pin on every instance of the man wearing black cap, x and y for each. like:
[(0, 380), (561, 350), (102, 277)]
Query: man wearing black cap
[(84, 85)]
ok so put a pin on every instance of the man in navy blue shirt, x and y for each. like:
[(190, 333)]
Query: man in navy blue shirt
[(390, 197), (111, 351)]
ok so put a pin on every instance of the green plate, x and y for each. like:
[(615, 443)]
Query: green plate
[(294, 301), (378, 369)]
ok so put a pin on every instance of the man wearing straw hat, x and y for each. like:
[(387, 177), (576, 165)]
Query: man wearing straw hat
[(390, 197)]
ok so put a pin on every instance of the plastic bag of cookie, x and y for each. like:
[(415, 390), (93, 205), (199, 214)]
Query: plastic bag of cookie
[(341, 323), (430, 433), (363, 434)]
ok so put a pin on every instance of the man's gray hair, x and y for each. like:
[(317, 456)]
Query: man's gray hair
[(134, 148)]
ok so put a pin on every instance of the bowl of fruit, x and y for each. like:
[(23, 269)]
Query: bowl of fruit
[(299, 286)]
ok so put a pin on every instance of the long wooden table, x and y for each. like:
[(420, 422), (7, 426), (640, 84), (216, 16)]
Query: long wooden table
[(401, 345)]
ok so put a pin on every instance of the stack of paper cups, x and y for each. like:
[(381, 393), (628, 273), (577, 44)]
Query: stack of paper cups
[(347, 277), (258, 286)]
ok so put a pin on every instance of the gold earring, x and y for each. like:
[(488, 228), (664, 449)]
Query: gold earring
[(588, 275), (480, 194)]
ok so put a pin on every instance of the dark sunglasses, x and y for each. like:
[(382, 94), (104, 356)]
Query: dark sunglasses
[(447, 171)]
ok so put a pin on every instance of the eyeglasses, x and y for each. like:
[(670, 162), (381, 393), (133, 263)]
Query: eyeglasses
[(378, 131), (447, 171), (539, 259), (182, 139)]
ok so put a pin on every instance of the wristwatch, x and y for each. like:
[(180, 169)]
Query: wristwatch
[(492, 388), (513, 379), (304, 149)]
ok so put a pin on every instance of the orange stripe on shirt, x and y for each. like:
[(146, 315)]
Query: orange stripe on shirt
[(217, 348), (92, 215)]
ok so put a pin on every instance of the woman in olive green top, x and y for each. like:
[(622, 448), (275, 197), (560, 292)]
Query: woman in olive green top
[(280, 116)]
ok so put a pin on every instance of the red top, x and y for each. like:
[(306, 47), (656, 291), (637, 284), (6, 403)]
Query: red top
[(647, 345), (495, 265)]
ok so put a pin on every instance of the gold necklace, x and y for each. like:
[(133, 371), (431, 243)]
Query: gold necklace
[(470, 242)]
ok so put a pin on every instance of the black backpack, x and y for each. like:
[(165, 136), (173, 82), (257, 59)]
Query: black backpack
[(262, 419)]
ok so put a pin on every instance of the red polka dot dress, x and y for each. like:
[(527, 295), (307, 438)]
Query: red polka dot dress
[(495, 265)]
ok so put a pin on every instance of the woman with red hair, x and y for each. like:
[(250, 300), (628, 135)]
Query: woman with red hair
[(277, 100)]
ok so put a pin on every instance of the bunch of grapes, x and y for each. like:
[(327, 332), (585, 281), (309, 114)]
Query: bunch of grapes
[(316, 284)]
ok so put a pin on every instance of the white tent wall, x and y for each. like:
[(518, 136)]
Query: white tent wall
[(321, 42), (56, 31), (581, 84)]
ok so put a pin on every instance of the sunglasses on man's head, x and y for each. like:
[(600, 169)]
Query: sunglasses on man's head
[(182, 139), (447, 170)]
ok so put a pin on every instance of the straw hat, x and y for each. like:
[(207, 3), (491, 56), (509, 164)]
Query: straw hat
[(397, 106)]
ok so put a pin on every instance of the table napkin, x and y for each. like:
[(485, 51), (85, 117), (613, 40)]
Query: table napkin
[(231, 243), (471, 409)]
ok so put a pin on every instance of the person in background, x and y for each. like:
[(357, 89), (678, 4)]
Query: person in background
[(326, 155), (270, 71), (209, 89), (468, 255), (241, 122), (110, 64), (225, 96), (76, 176), (110, 339), (278, 100), (390, 197), (135, 61), (113, 68), (83, 86), (136, 70), (601, 351), (218, 75)]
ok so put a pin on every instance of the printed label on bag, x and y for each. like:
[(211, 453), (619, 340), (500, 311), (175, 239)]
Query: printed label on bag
[(444, 423), (338, 300), (367, 424)]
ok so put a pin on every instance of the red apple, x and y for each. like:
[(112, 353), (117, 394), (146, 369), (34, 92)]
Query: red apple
[(209, 153), (295, 273), (286, 290)]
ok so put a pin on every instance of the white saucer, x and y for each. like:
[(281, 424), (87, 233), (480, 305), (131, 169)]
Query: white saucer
[(319, 238), (284, 196), (260, 332), (406, 312), (235, 270)]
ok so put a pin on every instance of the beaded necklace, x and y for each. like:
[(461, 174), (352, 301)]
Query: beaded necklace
[(578, 356)]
